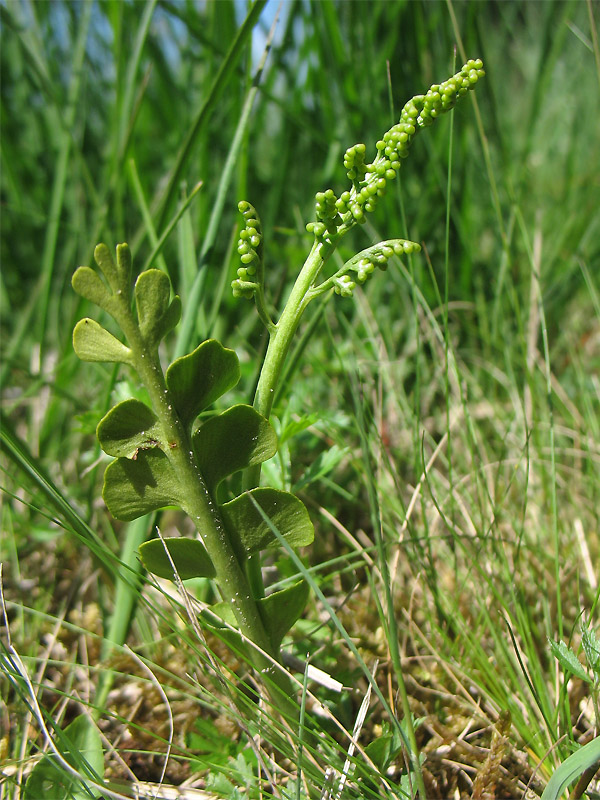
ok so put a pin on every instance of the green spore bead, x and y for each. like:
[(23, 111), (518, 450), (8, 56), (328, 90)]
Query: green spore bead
[(243, 288), (354, 162), (344, 286), (364, 268), (326, 211), (369, 180), (404, 247), (249, 248)]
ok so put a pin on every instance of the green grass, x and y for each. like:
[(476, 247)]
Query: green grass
[(442, 426)]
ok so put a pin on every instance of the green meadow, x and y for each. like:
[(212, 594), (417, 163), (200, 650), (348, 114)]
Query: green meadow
[(441, 423)]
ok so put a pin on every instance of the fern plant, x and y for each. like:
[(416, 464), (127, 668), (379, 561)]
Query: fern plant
[(161, 460), (164, 457)]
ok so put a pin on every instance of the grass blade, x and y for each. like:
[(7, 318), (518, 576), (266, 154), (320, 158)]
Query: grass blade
[(587, 757)]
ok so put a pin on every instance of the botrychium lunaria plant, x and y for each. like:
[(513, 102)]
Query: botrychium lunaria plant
[(164, 456)]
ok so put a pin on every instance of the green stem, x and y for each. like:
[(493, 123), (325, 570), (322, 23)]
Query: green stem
[(283, 332), (202, 509), (280, 338), (279, 344)]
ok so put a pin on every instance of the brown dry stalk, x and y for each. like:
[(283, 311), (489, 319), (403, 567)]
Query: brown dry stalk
[(484, 786)]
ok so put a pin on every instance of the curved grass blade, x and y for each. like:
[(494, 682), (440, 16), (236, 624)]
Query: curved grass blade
[(585, 758)]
